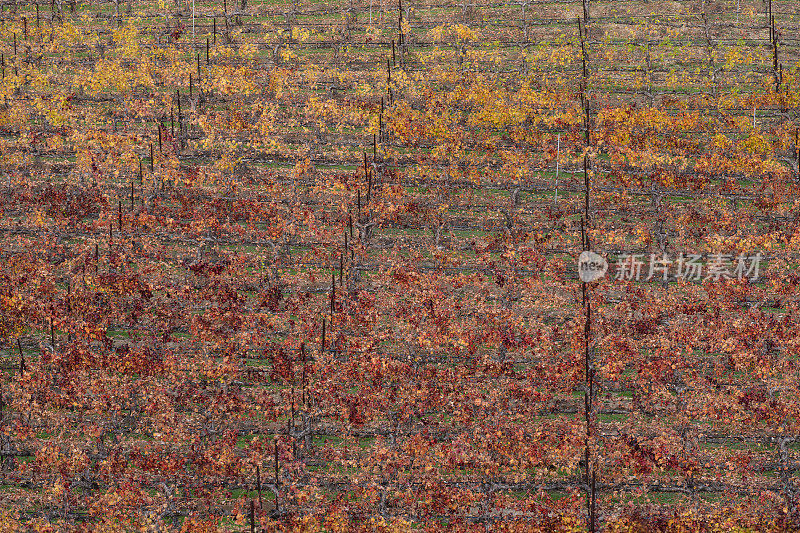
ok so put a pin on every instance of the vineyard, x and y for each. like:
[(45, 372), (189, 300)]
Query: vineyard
[(313, 266)]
